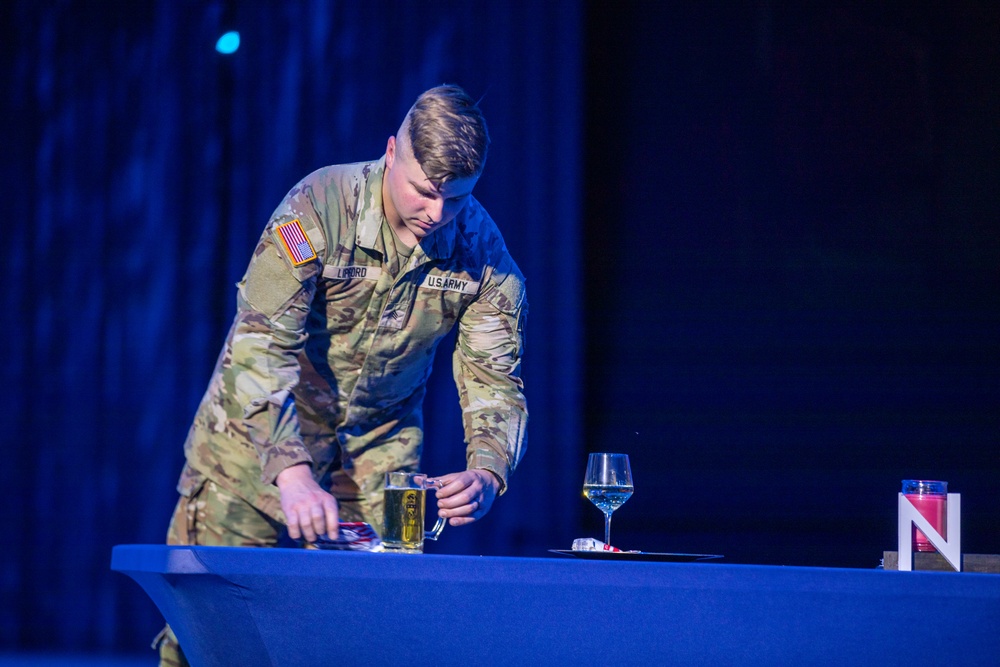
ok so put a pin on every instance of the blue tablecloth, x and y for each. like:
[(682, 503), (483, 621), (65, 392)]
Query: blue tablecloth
[(244, 606)]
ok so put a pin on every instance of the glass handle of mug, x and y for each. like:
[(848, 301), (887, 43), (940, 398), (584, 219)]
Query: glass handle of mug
[(435, 532)]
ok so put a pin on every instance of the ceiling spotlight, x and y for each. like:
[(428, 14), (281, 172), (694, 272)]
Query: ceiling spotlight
[(228, 43)]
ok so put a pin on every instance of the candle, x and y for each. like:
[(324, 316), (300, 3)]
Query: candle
[(930, 498)]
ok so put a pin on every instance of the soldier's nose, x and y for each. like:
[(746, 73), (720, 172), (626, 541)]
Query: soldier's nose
[(434, 212)]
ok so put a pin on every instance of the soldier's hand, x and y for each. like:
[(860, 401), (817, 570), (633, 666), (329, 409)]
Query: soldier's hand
[(309, 510), (466, 496)]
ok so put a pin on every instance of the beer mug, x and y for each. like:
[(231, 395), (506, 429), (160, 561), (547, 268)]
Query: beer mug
[(405, 498)]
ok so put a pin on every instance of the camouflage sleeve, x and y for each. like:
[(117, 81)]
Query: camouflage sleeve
[(487, 367), (272, 307)]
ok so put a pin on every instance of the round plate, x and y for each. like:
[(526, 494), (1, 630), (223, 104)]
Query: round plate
[(635, 555)]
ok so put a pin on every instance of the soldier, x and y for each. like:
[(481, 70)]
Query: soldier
[(361, 271)]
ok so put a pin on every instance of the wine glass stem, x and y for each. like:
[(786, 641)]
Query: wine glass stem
[(607, 527)]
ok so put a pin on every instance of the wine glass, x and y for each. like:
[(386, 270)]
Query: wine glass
[(608, 485)]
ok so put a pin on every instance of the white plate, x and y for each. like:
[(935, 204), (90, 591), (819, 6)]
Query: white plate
[(636, 555)]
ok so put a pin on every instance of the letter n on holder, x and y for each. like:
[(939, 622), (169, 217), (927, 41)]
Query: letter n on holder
[(950, 548)]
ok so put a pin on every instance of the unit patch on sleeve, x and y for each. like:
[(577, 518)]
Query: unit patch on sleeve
[(296, 243)]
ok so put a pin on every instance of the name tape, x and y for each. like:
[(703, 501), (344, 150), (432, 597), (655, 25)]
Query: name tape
[(352, 272), (450, 284), (443, 283)]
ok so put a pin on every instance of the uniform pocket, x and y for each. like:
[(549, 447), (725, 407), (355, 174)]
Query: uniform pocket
[(183, 530)]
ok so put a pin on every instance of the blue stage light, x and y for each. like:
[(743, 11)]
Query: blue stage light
[(228, 43)]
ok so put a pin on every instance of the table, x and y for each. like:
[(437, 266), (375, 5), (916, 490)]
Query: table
[(248, 607)]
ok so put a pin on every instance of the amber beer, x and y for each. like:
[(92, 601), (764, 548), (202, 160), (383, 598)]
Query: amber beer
[(403, 516), (404, 519)]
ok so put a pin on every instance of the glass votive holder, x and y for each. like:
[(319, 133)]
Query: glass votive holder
[(930, 497)]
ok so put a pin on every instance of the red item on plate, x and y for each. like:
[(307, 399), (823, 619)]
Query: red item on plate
[(591, 544), (353, 536)]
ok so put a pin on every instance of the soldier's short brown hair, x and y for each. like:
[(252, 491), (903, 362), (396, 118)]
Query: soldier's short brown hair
[(447, 134)]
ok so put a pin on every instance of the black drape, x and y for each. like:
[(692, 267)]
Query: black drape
[(806, 197)]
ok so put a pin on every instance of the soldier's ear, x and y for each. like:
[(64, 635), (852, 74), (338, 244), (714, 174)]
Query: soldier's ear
[(390, 152)]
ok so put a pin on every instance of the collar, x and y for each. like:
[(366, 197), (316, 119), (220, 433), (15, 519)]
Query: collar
[(370, 213)]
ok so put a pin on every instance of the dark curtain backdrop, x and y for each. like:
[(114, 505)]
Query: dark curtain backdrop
[(139, 167), (805, 269)]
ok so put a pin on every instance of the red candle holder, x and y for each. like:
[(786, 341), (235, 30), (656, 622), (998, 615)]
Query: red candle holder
[(930, 498)]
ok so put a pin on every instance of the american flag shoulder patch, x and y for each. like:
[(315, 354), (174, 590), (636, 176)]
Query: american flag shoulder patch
[(296, 243)]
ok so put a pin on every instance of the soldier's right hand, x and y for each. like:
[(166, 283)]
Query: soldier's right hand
[(309, 510)]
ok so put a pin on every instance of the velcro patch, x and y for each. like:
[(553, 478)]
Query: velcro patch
[(448, 284), (352, 272), (296, 243)]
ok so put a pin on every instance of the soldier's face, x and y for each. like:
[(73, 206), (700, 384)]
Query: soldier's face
[(416, 204)]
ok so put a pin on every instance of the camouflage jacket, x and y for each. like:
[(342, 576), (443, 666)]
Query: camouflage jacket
[(329, 354)]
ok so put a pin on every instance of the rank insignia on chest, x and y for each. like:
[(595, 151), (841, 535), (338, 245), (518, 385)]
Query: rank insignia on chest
[(296, 243)]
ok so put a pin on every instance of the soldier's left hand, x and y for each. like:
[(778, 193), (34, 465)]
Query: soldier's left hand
[(466, 496)]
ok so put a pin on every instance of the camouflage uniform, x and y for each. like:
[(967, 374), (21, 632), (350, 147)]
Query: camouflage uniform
[(328, 358), (211, 516), (329, 354)]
